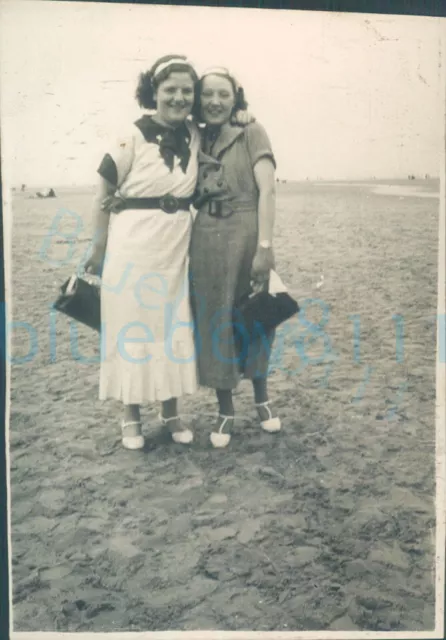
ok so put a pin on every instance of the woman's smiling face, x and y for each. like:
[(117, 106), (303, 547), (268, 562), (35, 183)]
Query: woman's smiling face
[(217, 99), (175, 97)]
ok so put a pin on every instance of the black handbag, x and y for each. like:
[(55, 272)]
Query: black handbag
[(262, 312), (80, 300)]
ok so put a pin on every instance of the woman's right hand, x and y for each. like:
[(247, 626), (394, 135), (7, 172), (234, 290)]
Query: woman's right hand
[(242, 117), (95, 263)]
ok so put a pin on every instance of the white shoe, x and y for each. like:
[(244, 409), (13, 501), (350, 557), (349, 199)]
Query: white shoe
[(272, 425), (131, 442), (219, 439), (185, 436)]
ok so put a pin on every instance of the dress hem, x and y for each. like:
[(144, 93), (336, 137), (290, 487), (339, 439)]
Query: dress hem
[(110, 395)]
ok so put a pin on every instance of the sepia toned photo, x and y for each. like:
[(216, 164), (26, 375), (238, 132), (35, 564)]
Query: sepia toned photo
[(225, 321)]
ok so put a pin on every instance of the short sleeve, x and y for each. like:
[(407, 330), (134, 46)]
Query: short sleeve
[(116, 164), (258, 143)]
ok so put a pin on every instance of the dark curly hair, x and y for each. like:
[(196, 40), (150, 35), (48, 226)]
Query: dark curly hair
[(147, 84), (240, 103)]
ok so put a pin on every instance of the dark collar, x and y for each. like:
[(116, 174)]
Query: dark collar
[(152, 130), (171, 142), (225, 139)]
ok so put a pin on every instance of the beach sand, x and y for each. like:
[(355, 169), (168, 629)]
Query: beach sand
[(329, 524)]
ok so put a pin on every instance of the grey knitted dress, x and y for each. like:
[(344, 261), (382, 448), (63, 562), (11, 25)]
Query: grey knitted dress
[(223, 245)]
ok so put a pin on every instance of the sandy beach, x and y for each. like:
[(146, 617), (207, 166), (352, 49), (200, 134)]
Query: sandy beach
[(329, 524)]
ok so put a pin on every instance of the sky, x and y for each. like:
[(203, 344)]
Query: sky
[(342, 96)]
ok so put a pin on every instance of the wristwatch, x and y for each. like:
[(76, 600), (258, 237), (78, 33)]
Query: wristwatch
[(265, 244)]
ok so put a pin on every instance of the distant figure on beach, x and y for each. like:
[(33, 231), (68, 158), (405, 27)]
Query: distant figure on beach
[(143, 225), (47, 193), (231, 246), (23, 187)]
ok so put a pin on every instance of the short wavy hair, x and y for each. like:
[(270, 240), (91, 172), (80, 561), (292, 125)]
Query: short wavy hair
[(240, 103), (148, 84)]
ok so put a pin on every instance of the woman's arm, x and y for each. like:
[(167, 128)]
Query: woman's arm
[(264, 260), (242, 117), (101, 217), (265, 180), (113, 170), (101, 220)]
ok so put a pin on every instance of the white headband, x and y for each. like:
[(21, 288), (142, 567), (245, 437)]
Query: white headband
[(168, 63), (221, 71)]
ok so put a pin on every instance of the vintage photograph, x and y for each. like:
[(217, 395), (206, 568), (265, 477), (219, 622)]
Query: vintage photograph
[(221, 253)]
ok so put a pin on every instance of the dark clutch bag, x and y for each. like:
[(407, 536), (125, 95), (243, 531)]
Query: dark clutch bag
[(81, 301), (263, 312)]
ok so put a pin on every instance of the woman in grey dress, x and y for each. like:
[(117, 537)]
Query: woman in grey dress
[(231, 246)]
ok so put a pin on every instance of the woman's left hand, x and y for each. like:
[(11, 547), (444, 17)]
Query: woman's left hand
[(261, 266), (112, 204), (242, 118)]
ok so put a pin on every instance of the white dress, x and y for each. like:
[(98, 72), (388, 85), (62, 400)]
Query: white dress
[(147, 343)]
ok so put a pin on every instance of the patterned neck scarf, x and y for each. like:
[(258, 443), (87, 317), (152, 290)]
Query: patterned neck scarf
[(172, 142)]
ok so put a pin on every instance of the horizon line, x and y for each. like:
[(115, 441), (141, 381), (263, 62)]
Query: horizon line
[(278, 179)]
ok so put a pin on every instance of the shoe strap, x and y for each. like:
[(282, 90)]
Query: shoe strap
[(166, 420), (128, 424), (225, 419), (266, 405)]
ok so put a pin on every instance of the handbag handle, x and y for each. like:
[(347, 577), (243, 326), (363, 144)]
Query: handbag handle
[(273, 285), (88, 277), (257, 287)]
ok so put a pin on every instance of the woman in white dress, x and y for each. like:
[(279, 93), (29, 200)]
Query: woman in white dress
[(142, 233)]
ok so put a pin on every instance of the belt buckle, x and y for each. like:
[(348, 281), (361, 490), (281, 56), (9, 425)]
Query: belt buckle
[(226, 210), (220, 209), (169, 203)]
